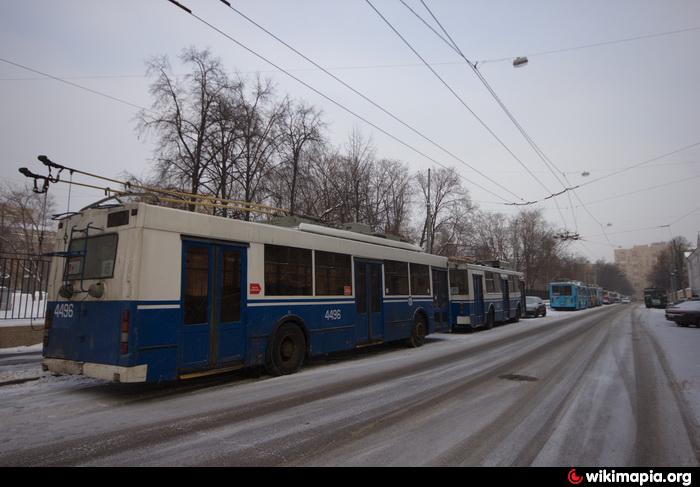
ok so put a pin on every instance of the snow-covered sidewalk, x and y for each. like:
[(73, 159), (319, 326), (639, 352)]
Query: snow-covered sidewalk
[(680, 347)]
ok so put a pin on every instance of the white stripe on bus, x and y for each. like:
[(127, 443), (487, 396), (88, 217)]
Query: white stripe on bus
[(158, 306)]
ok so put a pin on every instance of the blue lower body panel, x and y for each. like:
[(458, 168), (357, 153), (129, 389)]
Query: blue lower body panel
[(90, 331)]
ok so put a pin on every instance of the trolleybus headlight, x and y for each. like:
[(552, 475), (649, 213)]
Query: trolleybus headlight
[(96, 290), (66, 291)]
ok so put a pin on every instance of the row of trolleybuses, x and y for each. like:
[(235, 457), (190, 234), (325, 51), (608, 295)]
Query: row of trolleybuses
[(145, 293), (574, 295)]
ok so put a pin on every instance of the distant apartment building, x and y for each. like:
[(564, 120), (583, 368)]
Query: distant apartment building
[(637, 263)]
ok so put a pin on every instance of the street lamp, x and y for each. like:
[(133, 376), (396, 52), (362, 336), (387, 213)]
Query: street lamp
[(519, 61)]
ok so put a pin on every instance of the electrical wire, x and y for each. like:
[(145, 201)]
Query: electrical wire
[(369, 100), (74, 85), (639, 164), (642, 190), (462, 102), (327, 97), (588, 46), (542, 156)]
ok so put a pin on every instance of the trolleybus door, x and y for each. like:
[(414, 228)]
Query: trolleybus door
[(230, 337), (506, 299), (441, 300), (212, 303), (478, 310), (368, 292)]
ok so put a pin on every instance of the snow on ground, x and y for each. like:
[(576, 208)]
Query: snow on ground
[(18, 350), (681, 347), (21, 371), (27, 305), (19, 363), (30, 366), (35, 322)]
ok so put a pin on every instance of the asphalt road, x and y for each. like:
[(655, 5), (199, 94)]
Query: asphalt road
[(585, 388)]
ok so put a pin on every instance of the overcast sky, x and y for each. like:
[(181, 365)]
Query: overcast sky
[(596, 109)]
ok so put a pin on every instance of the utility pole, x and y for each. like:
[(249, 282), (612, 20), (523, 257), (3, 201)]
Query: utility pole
[(673, 286), (429, 224)]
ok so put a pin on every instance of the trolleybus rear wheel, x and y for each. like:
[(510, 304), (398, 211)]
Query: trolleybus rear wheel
[(418, 332), (286, 351), (490, 318)]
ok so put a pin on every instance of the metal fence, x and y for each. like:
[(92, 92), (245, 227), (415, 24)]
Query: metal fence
[(23, 283)]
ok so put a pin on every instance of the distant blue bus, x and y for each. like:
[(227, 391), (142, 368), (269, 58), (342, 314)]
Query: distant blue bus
[(482, 296), (568, 295)]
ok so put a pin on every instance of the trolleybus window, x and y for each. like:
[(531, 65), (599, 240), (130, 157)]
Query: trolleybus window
[(459, 281), (287, 271), (420, 280), (230, 308), (333, 274), (513, 284), (561, 290), (94, 260), (396, 277), (197, 285), (493, 282)]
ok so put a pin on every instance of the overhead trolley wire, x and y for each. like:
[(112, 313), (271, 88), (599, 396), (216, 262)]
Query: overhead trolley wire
[(452, 44), (327, 97), (589, 46), (633, 166), (459, 98), (369, 100), (74, 85), (545, 159)]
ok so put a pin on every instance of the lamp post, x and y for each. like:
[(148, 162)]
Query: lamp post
[(673, 286), (520, 61)]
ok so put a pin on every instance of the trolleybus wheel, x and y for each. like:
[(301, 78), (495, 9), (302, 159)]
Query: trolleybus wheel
[(516, 318), (490, 318), (418, 332), (286, 351)]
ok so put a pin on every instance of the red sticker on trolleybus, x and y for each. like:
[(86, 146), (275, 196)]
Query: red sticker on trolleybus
[(254, 288), (347, 290)]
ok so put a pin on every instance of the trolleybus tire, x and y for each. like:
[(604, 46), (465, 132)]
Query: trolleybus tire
[(286, 350), (490, 319), (516, 318), (418, 332)]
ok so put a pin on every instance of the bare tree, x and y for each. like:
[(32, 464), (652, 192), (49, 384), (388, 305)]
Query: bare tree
[(183, 115), (534, 250), (670, 266), (300, 127), (258, 123), (390, 197), (490, 237), (224, 138), (357, 165), (25, 225), (449, 206)]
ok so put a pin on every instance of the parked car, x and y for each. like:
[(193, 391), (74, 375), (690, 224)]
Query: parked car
[(625, 300), (535, 306), (685, 313)]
